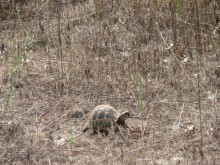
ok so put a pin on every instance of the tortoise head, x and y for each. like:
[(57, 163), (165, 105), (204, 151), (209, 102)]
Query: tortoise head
[(121, 119)]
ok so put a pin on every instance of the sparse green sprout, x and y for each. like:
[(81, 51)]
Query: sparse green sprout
[(178, 7), (69, 130), (69, 139), (70, 158), (141, 104)]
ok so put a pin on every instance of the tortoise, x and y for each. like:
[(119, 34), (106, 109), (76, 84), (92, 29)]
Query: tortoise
[(104, 117)]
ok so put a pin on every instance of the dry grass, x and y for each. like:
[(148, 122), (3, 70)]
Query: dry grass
[(57, 62)]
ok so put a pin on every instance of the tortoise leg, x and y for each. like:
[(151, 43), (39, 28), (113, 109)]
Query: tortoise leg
[(106, 133), (95, 132), (115, 128)]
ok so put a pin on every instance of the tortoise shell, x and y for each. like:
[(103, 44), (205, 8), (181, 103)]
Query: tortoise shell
[(104, 117)]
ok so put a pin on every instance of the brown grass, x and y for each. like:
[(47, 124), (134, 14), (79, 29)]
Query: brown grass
[(59, 59)]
